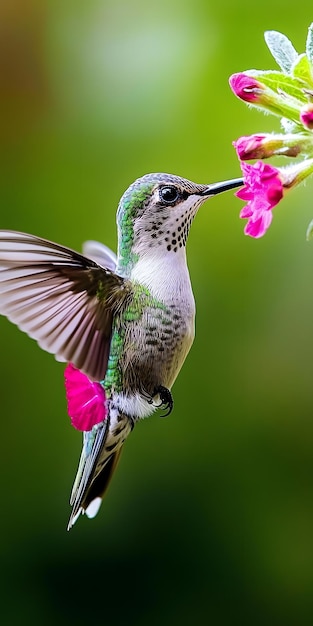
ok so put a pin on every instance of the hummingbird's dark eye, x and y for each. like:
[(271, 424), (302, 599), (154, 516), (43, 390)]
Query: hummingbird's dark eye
[(169, 194)]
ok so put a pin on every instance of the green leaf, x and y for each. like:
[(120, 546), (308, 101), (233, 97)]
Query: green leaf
[(281, 48), (309, 45), (302, 69), (279, 82)]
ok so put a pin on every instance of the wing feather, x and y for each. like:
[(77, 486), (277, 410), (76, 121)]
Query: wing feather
[(100, 253), (61, 298)]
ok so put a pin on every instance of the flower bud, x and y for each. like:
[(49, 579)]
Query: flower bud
[(306, 116), (245, 87), (250, 147), (261, 94), (263, 146)]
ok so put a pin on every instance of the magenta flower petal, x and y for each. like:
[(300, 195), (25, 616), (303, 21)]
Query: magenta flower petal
[(86, 400), (257, 227), (246, 211), (263, 189), (245, 87)]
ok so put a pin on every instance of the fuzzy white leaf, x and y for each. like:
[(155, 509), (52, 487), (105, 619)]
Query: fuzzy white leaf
[(309, 45), (282, 49)]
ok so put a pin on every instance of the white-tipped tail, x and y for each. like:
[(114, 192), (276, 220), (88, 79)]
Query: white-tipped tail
[(93, 507), (75, 517)]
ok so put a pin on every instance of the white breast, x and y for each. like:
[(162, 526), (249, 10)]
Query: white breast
[(166, 276)]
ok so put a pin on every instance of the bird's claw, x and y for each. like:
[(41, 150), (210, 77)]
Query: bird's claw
[(165, 397)]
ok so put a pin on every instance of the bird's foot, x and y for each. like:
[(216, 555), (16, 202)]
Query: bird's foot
[(166, 399)]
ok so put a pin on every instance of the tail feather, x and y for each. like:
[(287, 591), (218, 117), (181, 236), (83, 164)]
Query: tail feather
[(92, 500), (100, 484), (101, 452)]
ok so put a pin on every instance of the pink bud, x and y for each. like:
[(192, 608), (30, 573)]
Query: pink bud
[(250, 147), (306, 116), (245, 87)]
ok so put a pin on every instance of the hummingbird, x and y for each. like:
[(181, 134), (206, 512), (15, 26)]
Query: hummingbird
[(125, 321)]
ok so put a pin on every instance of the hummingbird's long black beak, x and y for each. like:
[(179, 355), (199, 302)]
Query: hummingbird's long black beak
[(215, 188)]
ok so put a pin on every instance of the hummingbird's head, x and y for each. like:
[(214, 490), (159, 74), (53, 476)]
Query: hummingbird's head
[(156, 212)]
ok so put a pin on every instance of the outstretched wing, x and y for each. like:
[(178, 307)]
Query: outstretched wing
[(60, 298)]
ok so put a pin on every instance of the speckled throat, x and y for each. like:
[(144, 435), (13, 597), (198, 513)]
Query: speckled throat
[(145, 221)]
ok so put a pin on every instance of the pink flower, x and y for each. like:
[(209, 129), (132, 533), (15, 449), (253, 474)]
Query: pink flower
[(245, 87), (263, 189), (86, 401)]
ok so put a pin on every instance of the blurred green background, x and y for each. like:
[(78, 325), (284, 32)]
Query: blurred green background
[(209, 519)]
